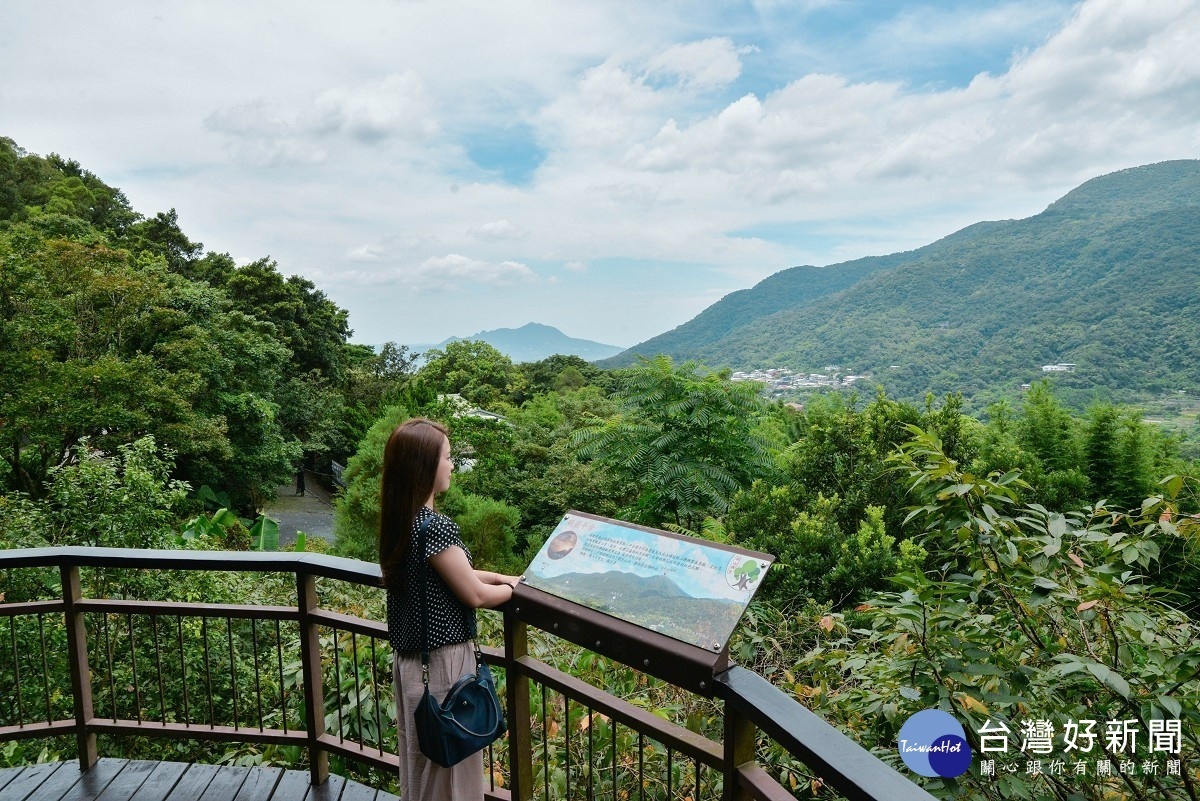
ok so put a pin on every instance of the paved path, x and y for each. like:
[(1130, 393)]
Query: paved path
[(311, 512)]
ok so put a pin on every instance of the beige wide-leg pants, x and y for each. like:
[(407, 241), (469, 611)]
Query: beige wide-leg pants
[(420, 779)]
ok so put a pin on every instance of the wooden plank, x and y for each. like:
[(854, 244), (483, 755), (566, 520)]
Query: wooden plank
[(161, 782), (183, 609), (38, 729), (128, 781), (8, 774), (259, 784), (29, 778), (56, 785), (225, 785), (92, 782), (331, 790), (358, 792), (293, 786), (368, 628), (760, 785), (331, 744), (197, 731), (193, 783), (334, 567), (30, 608)]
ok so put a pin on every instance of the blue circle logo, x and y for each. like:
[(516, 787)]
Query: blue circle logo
[(933, 743)]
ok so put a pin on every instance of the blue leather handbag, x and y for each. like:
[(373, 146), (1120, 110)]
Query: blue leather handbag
[(466, 721)]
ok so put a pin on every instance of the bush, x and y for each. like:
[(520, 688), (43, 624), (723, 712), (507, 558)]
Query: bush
[(489, 530), (815, 559), (1033, 615), (356, 509)]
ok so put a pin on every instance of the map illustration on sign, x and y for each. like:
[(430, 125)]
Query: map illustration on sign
[(683, 587)]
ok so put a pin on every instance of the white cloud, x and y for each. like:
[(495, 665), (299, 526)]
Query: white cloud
[(395, 108), (609, 106), (366, 253), (453, 271), (708, 64), (391, 248), (1119, 79), (575, 267), (497, 231)]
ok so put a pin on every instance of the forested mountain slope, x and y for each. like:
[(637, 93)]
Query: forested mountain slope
[(787, 289), (1107, 278)]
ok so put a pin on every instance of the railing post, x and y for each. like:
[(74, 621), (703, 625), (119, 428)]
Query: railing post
[(520, 745), (81, 677), (314, 686), (740, 740)]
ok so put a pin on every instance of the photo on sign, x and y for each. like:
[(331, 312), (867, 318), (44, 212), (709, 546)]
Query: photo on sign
[(683, 587)]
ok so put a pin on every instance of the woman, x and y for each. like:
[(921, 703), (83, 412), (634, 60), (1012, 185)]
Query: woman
[(416, 467)]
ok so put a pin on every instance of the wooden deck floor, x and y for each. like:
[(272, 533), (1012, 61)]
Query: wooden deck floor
[(127, 780)]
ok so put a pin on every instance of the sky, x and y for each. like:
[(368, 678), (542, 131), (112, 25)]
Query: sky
[(607, 167)]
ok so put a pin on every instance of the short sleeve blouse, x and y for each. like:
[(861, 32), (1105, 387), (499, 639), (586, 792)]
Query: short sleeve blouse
[(450, 621)]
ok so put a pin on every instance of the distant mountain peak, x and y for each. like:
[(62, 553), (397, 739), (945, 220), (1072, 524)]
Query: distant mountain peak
[(535, 341), (1133, 192)]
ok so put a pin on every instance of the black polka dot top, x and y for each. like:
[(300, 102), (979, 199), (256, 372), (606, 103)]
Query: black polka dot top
[(449, 620)]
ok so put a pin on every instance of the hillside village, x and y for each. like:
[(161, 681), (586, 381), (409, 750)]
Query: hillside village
[(781, 379)]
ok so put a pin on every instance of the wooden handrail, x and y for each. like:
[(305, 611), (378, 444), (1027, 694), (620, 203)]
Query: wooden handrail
[(845, 765), (751, 704)]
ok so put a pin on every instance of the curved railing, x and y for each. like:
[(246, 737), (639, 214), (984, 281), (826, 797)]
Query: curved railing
[(318, 681)]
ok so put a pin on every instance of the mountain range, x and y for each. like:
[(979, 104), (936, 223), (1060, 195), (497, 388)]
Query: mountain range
[(533, 342), (1106, 279)]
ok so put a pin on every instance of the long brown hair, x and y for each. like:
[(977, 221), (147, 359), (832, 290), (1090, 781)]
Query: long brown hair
[(410, 463)]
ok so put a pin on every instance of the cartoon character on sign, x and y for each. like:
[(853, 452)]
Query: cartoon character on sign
[(743, 573), (563, 543)]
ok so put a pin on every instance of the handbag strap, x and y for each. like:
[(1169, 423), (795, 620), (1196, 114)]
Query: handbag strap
[(423, 594)]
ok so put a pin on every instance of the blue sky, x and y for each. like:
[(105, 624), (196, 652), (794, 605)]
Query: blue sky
[(608, 167)]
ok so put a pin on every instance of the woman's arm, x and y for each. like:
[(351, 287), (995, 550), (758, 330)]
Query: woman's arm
[(464, 581), (487, 577)]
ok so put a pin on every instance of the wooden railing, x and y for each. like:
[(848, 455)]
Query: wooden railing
[(278, 676)]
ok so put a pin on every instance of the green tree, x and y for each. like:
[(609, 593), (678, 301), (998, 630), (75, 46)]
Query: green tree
[(161, 236), (1102, 450), (538, 471), (312, 327), (547, 375), (97, 345), (686, 436), (474, 369), (1045, 442), (373, 381)]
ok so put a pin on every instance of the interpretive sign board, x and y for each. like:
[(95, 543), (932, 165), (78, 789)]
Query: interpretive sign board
[(686, 588)]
